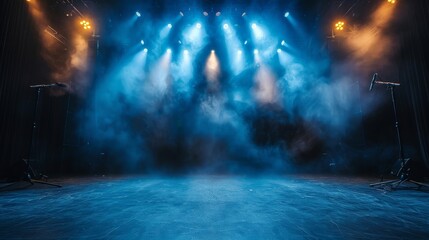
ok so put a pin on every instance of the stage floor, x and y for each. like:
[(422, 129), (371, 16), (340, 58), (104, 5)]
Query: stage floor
[(213, 207)]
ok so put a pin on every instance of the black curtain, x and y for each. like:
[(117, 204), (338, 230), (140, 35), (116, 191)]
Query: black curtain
[(21, 65), (414, 74)]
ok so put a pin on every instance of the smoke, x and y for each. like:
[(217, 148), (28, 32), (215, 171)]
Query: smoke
[(67, 58), (370, 45), (212, 71), (182, 111), (265, 89)]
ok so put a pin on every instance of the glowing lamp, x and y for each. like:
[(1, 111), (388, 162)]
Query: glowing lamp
[(85, 24), (339, 26)]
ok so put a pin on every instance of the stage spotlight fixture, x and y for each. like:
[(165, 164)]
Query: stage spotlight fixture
[(138, 14), (181, 13), (179, 42), (283, 43), (225, 26), (255, 51), (279, 50), (244, 14), (213, 51), (339, 26), (198, 25), (205, 13), (245, 42), (145, 50), (218, 14), (286, 14), (168, 50), (85, 24), (186, 52), (239, 52), (142, 42), (169, 25), (253, 26), (391, 1)]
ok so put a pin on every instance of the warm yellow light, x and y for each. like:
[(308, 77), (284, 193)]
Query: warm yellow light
[(391, 1), (85, 24), (339, 26)]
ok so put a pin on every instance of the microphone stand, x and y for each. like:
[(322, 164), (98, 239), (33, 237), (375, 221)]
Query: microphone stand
[(404, 170), (29, 172)]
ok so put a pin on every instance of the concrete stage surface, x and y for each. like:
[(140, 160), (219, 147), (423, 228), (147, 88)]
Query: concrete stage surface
[(213, 207)]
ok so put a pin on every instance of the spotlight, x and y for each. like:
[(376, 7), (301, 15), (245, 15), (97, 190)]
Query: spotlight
[(225, 26), (391, 1), (339, 26), (239, 52), (279, 50), (142, 42), (213, 51), (245, 42), (85, 24), (145, 50), (244, 14), (205, 13), (169, 25), (186, 52), (181, 13), (138, 14), (286, 14), (198, 25), (169, 50), (255, 51), (283, 43), (258, 33), (218, 14)]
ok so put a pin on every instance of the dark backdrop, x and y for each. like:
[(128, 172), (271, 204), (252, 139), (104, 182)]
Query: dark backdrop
[(21, 65)]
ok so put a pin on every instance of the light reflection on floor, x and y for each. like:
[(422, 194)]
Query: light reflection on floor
[(213, 207)]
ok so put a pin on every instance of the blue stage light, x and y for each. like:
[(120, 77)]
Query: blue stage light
[(138, 14), (256, 51), (169, 25), (239, 52), (145, 50), (198, 25), (168, 50), (258, 33), (283, 43), (279, 50), (286, 14), (142, 42), (186, 52), (225, 26)]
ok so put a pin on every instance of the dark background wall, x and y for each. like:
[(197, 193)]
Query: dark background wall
[(21, 66)]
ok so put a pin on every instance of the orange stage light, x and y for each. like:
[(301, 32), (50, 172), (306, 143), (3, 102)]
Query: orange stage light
[(339, 26)]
